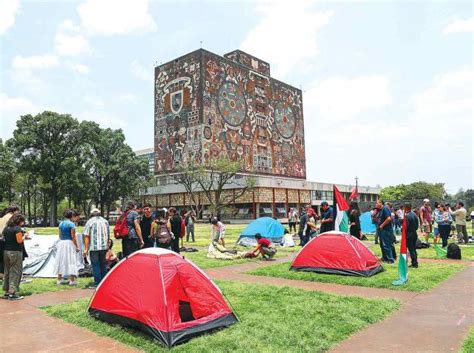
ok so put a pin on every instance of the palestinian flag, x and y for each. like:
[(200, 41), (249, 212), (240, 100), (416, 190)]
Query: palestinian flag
[(402, 260), (340, 206)]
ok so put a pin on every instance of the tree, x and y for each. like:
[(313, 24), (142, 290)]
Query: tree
[(48, 142), (414, 191), (7, 173), (112, 165), (218, 176), (187, 176)]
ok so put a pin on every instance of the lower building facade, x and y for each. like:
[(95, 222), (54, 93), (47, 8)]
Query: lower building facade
[(270, 197)]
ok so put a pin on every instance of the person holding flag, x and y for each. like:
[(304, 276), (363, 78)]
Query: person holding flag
[(341, 219), (327, 220), (412, 225)]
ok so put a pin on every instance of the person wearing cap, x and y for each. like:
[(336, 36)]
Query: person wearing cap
[(327, 220), (96, 239), (425, 217)]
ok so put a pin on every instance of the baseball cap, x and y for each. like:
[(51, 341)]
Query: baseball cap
[(95, 210), (426, 200)]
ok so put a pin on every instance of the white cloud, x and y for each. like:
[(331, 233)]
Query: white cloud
[(8, 10), (141, 72), (34, 62), (286, 34), (103, 118), (80, 69), (11, 108), (459, 26), (340, 98), (94, 101), (433, 142), (110, 17), (25, 78), (69, 41), (129, 98)]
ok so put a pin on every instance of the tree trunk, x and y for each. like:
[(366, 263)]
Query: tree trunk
[(53, 215), (28, 199)]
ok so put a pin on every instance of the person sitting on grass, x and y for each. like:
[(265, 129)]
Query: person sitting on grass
[(264, 247), (13, 256)]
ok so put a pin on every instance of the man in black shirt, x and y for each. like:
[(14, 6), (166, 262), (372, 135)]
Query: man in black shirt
[(175, 220), (145, 226), (412, 226), (327, 218)]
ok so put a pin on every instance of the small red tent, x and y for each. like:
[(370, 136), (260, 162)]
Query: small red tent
[(162, 294), (336, 253)]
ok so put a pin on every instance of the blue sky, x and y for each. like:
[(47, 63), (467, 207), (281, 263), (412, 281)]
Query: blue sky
[(388, 86)]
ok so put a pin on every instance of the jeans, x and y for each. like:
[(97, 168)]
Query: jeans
[(462, 233), (411, 244), (98, 264), (190, 230), (385, 236), (129, 246), (444, 230)]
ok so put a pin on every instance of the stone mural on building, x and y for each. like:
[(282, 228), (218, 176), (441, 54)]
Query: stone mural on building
[(208, 106)]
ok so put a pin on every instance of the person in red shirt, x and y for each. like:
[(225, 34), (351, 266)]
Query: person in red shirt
[(264, 247)]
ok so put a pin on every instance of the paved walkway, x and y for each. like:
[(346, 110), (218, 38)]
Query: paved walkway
[(25, 328), (436, 320)]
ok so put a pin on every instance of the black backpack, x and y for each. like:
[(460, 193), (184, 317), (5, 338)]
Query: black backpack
[(421, 244), (454, 252)]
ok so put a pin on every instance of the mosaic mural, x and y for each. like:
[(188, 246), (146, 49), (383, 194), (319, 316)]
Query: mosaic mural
[(208, 106)]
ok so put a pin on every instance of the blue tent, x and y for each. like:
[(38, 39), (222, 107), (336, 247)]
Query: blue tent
[(366, 223), (266, 226)]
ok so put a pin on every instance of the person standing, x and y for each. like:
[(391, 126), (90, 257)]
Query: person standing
[(303, 226), (292, 219), (327, 218), (67, 249), (190, 221), (175, 221), (412, 236), (460, 219), (374, 217), (425, 216), (218, 231), (145, 226), (354, 220), (161, 230), (96, 240), (13, 256), (134, 240), (444, 219), (435, 224), (5, 216), (385, 231)]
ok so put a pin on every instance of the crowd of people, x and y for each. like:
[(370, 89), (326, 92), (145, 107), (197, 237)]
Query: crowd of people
[(144, 227)]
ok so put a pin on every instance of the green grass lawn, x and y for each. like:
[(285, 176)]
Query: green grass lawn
[(41, 285), (271, 321), (467, 251), (421, 279), (468, 344)]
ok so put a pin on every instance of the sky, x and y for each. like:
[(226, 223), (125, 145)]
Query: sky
[(387, 85)]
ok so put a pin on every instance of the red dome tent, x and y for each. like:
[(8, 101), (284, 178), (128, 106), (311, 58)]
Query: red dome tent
[(162, 294), (336, 253)]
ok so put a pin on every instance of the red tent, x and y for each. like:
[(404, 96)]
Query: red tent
[(162, 294), (336, 253)]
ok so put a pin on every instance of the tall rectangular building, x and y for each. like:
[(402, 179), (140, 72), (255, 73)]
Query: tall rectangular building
[(208, 106)]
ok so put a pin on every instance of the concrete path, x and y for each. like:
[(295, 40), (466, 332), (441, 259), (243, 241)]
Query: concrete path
[(25, 328), (435, 321)]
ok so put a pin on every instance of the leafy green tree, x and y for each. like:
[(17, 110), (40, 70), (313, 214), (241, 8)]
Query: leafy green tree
[(414, 191), (47, 144), (7, 173), (112, 165)]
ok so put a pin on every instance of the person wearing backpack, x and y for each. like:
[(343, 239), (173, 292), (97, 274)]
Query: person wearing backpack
[(162, 231), (134, 240)]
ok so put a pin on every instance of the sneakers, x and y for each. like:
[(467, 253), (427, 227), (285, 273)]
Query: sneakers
[(92, 286), (62, 281), (73, 283), (14, 297)]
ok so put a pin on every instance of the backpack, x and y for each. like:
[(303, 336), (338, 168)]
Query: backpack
[(163, 235), (121, 227), (421, 244), (454, 252)]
